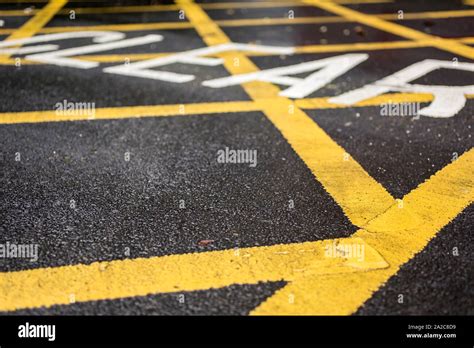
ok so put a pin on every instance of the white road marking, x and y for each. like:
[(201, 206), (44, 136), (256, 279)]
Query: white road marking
[(59, 57), (197, 57), (328, 69), (447, 102)]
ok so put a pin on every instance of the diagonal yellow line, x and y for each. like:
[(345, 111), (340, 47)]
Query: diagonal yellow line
[(34, 25), (191, 109), (361, 197), (207, 6), (131, 112), (323, 156), (318, 284), (393, 28), (241, 22), (398, 235)]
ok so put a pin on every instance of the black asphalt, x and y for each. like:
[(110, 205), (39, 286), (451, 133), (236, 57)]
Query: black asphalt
[(135, 205)]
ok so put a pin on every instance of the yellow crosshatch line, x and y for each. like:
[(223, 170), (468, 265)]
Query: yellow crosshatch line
[(174, 25), (207, 6), (243, 22), (193, 109), (391, 235), (34, 24)]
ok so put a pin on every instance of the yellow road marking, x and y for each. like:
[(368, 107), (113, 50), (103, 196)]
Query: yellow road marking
[(393, 28), (131, 112), (323, 103), (34, 25), (158, 8), (118, 27), (237, 22), (397, 234), (431, 14), (174, 273), (167, 110)]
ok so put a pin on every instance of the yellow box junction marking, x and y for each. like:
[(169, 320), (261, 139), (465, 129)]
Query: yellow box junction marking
[(152, 8), (390, 235)]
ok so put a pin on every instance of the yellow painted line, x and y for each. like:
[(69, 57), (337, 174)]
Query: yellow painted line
[(202, 109), (363, 46), (249, 22), (393, 28), (176, 273), (18, 13), (33, 25), (233, 22), (131, 112), (430, 14), (118, 27), (242, 3), (160, 8), (120, 9), (398, 235), (362, 1), (395, 98), (277, 21)]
